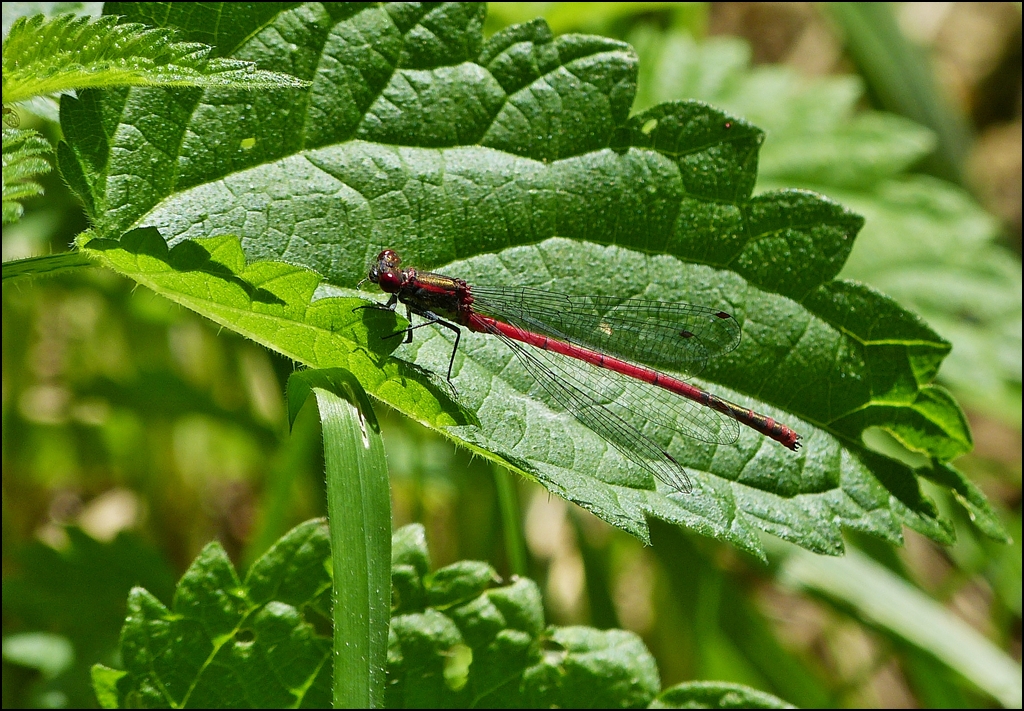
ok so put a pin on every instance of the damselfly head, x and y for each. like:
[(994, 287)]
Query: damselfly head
[(386, 273)]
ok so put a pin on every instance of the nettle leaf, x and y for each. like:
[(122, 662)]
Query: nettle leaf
[(265, 641), (459, 641), (71, 52), (515, 161), (226, 642)]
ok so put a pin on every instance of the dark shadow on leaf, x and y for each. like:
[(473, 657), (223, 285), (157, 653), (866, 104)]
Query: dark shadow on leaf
[(379, 323), (187, 256), (383, 322), (320, 623), (447, 398), (549, 644), (898, 479)]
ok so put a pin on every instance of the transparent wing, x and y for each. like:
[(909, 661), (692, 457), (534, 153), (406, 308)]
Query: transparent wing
[(679, 337), (631, 414)]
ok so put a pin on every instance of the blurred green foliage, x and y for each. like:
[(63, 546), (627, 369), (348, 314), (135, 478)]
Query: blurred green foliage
[(111, 389)]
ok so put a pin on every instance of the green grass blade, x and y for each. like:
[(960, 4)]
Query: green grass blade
[(47, 265), (359, 512)]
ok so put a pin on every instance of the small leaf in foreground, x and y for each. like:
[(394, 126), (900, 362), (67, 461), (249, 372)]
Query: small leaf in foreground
[(24, 156), (265, 641), (70, 52), (227, 643), (488, 646)]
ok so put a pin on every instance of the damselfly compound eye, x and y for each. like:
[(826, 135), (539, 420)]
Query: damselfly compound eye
[(389, 257), (389, 281)]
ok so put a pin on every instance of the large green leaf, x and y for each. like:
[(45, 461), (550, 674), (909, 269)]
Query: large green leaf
[(515, 161)]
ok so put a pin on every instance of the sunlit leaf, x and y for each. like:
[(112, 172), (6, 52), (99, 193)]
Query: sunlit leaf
[(516, 161)]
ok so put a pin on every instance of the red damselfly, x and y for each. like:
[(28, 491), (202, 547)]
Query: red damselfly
[(586, 353)]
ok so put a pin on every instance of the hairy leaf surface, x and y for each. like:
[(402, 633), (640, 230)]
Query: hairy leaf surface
[(516, 161)]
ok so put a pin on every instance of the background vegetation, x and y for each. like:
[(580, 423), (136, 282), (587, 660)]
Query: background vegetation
[(135, 431)]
